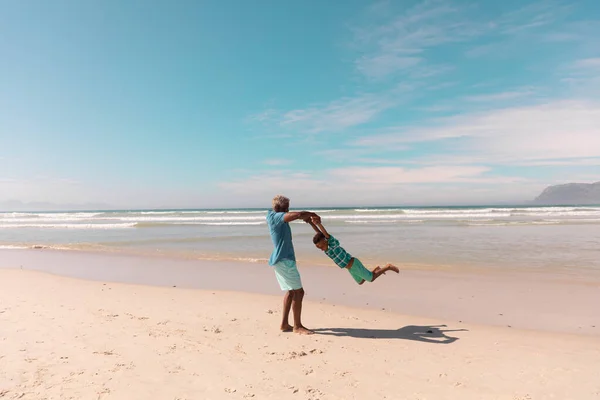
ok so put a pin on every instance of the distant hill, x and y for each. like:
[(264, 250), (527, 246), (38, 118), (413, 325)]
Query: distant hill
[(570, 193)]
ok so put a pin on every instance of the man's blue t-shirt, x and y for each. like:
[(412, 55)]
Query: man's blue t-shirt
[(281, 235)]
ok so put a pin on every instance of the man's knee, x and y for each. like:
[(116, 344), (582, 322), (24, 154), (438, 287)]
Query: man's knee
[(299, 294)]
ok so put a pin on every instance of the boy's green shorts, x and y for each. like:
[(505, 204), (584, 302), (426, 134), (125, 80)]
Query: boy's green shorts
[(359, 272)]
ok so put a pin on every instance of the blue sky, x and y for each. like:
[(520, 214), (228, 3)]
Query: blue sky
[(226, 103)]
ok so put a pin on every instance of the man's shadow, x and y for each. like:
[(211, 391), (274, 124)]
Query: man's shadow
[(427, 334)]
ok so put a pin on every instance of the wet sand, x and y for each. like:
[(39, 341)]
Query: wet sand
[(562, 303)]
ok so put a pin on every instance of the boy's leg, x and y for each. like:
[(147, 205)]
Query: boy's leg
[(377, 272)]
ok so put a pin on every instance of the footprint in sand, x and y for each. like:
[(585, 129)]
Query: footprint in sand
[(177, 369), (295, 354), (313, 394), (118, 367), (240, 349), (106, 353), (104, 391)]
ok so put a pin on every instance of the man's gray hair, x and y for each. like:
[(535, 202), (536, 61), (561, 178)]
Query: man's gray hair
[(279, 202)]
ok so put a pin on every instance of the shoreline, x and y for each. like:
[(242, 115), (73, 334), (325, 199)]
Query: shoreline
[(575, 274), (551, 303)]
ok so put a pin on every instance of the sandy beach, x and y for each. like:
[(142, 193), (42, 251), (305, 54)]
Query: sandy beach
[(68, 338)]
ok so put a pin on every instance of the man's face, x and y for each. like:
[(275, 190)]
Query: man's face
[(322, 244)]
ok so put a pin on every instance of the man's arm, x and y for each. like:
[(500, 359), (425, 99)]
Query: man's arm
[(303, 215)]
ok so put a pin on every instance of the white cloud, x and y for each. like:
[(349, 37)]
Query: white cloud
[(385, 186), (576, 33), (588, 63), (562, 129), (583, 77), (263, 116), (523, 28), (559, 37), (333, 116), (429, 71), (442, 85), (42, 188), (393, 46), (382, 65), (482, 50), (508, 95), (532, 16), (437, 108), (402, 41), (389, 176), (449, 159), (561, 162), (277, 162)]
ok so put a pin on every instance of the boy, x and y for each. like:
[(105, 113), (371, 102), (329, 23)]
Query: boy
[(331, 247)]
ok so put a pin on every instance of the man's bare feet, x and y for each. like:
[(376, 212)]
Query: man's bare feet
[(303, 331), (286, 328)]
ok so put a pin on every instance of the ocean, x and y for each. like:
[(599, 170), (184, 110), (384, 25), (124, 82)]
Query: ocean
[(564, 239)]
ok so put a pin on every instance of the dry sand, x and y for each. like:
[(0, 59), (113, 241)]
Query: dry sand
[(64, 338)]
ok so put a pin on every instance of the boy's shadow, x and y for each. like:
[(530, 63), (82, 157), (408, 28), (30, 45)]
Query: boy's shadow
[(427, 334)]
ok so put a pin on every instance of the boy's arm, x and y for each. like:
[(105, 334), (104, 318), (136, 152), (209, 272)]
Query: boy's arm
[(323, 230), (314, 226)]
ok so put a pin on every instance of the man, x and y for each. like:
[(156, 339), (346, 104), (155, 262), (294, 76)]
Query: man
[(283, 260)]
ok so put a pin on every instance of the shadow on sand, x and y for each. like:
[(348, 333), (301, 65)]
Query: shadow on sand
[(428, 334)]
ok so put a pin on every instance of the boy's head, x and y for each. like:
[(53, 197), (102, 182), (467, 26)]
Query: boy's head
[(320, 241)]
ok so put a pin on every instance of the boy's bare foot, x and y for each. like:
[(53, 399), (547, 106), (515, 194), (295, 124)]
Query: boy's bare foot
[(392, 268), (303, 331), (286, 328)]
